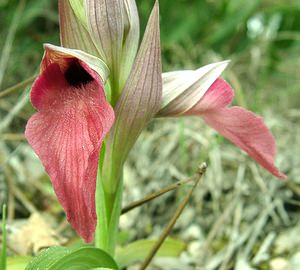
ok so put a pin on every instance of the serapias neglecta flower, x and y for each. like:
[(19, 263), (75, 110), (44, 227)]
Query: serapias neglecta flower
[(185, 93), (74, 115), (67, 131)]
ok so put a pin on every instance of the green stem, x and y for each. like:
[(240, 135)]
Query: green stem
[(3, 252), (101, 213), (108, 208), (115, 217), (108, 200)]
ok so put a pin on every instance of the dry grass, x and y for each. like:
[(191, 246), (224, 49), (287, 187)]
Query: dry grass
[(240, 216)]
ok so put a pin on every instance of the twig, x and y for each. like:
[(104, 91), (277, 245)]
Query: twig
[(3, 252), (154, 195), (294, 187), (17, 86), (6, 121), (12, 137), (28, 205), (173, 220), (11, 197), (62, 226)]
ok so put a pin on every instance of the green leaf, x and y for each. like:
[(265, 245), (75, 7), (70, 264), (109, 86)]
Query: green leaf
[(47, 257), (17, 262), (61, 258), (3, 252), (137, 251)]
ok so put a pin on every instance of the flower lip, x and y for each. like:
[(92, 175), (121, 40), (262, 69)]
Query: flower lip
[(75, 74), (62, 56), (67, 132)]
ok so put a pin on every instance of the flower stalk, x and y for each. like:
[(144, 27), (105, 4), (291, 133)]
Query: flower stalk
[(108, 209)]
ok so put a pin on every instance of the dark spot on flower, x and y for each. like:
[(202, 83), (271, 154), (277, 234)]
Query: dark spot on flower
[(76, 75)]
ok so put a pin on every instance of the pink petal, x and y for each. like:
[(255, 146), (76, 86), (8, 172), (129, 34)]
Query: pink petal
[(67, 132), (241, 127), (247, 131), (217, 96)]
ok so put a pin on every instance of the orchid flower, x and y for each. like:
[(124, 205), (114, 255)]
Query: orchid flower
[(238, 125), (74, 114), (67, 131), (99, 63)]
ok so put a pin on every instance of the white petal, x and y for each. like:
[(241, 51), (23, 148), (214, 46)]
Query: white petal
[(183, 89)]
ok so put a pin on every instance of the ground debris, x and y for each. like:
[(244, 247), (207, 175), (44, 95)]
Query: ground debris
[(30, 236)]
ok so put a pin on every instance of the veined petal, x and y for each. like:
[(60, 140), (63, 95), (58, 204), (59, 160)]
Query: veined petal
[(67, 132), (78, 8), (183, 89), (243, 128), (131, 39), (219, 95), (73, 28), (138, 103), (106, 26)]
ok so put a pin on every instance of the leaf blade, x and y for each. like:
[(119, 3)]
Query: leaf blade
[(17, 262), (61, 258), (138, 250), (85, 257)]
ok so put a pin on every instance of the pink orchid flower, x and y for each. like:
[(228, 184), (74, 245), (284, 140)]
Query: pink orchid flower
[(240, 126), (67, 132), (74, 116)]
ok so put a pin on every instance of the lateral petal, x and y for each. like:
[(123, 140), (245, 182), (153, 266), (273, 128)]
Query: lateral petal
[(66, 133), (248, 131), (240, 126), (219, 95), (183, 89)]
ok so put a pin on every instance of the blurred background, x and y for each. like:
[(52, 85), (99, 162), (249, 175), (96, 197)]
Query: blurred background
[(240, 217)]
